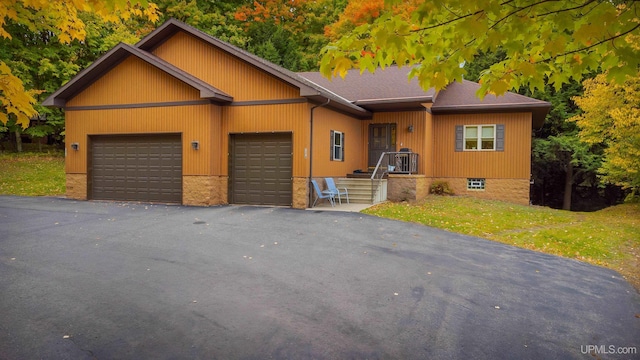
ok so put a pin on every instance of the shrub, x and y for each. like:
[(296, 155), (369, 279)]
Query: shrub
[(440, 188)]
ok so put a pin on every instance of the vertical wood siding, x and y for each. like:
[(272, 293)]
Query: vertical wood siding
[(416, 141), (324, 121), (293, 118), (134, 81), (513, 162), (222, 70), (193, 122)]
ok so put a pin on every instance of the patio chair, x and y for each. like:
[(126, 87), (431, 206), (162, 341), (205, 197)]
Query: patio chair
[(331, 187), (326, 194)]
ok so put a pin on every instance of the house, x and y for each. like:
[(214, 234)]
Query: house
[(182, 117)]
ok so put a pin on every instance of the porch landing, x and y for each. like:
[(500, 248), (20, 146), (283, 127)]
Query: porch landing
[(352, 207)]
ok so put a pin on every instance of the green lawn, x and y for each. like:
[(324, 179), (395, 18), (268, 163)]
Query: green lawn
[(32, 174), (609, 237)]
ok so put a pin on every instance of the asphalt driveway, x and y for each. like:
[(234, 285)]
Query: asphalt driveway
[(83, 280)]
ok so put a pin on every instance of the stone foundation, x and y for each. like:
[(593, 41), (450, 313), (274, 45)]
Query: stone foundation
[(300, 193), (219, 190), (407, 187), (76, 186), (510, 190), (203, 190)]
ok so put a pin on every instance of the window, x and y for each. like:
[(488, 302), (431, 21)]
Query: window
[(475, 184), (337, 146), (480, 137)]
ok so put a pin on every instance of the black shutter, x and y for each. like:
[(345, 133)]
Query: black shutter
[(500, 137), (342, 142), (332, 146), (459, 138)]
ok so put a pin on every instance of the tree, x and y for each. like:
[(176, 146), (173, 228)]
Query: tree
[(302, 23), (213, 17), (275, 44), (611, 117), (359, 12), (59, 18), (568, 153), (544, 42)]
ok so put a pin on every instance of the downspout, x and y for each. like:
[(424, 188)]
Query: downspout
[(311, 150)]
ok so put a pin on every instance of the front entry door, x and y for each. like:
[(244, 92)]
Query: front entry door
[(382, 138)]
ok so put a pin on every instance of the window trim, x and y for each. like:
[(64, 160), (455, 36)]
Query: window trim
[(335, 133), (479, 137)]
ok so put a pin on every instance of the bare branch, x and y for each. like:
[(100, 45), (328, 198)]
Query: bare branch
[(517, 10), (457, 18), (591, 46), (567, 9)]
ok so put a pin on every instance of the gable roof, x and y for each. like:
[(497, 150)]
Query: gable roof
[(386, 89), (358, 94), (461, 98), (310, 90), (390, 89), (114, 57)]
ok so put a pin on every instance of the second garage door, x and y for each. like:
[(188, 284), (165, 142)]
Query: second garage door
[(260, 169), (144, 168)]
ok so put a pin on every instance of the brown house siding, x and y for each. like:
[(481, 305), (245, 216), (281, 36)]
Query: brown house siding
[(506, 173), (134, 81), (226, 72), (513, 163), (326, 120)]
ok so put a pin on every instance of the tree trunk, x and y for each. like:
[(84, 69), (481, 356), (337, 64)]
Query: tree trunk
[(18, 140), (568, 186)]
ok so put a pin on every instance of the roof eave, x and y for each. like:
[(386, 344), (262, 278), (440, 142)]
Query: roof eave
[(112, 58), (84, 78), (538, 110)]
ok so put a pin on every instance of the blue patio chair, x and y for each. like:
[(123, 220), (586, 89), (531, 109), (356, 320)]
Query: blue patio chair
[(326, 194), (331, 187)]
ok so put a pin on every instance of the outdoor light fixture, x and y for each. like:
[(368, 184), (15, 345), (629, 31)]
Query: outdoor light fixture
[(75, 146), (195, 145), (410, 128)]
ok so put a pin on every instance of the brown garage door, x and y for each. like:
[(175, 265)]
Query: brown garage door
[(136, 168), (260, 168)]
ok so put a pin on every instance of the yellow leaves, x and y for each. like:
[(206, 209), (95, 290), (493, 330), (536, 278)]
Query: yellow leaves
[(14, 99), (60, 17)]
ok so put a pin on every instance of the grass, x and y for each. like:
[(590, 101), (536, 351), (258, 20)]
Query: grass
[(32, 174), (609, 237)]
